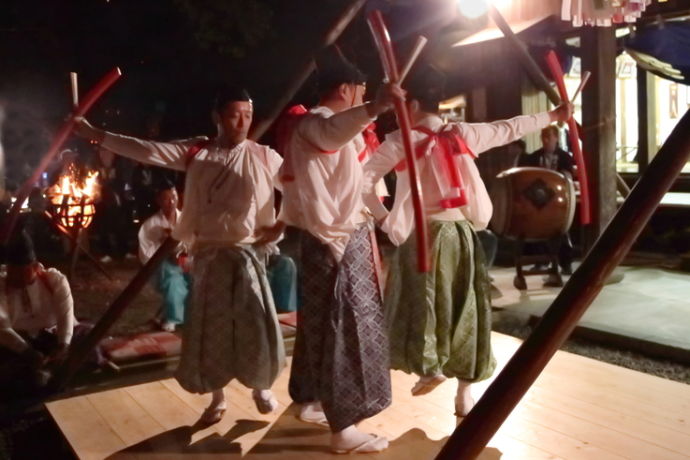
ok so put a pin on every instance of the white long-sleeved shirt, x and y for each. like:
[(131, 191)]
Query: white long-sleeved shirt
[(228, 192), (479, 137), (325, 196), (153, 232), (46, 303)]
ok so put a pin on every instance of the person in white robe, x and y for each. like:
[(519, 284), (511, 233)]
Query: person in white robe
[(231, 328), (36, 316), (171, 279), (440, 322), (339, 372)]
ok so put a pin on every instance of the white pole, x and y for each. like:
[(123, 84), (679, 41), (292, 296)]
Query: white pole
[(421, 43), (75, 88)]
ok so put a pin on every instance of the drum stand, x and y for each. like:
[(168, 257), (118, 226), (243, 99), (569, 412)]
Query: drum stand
[(555, 279)]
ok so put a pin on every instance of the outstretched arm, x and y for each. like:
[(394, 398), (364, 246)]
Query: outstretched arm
[(332, 133), (165, 154), (481, 137)]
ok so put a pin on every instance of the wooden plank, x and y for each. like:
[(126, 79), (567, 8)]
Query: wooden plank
[(669, 396), (162, 405), (578, 409), (237, 413), (424, 411), (617, 402), (89, 435), (609, 419), (594, 434), (124, 416)]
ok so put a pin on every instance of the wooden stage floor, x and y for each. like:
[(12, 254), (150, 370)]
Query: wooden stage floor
[(578, 409)]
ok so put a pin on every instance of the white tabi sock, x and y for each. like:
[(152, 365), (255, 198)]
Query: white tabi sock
[(351, 440), (312, 412)]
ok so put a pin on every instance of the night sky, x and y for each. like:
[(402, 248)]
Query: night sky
[(173, 54)]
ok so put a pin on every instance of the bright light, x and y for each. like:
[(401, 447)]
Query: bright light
[(473, 9)]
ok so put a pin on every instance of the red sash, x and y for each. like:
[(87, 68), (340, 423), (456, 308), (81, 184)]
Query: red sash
[(284, 131), (194, 151), (371, 142), (448, 144)]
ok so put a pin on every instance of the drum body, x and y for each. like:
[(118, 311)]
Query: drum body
[(532, 204)]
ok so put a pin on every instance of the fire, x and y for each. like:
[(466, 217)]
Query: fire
[(73, 199)]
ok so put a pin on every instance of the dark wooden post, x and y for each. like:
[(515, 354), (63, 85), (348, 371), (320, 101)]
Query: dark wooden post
[(506, 391), (80, 351), (646, 118), (529, 64), (307, 68), (599, 126)]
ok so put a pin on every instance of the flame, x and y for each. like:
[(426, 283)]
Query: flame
[(73, 199)]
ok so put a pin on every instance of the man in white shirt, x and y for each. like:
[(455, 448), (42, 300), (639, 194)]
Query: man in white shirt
[(36, 314), (440, 322), (171, 279), (231, 328), (339, 370)]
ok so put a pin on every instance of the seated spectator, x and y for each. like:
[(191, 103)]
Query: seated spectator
[(171, 279), (551, 156), (36, 317)]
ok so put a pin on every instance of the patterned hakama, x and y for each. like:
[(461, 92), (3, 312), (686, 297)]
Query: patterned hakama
[(341, 353), (231, 329), (440, 322)]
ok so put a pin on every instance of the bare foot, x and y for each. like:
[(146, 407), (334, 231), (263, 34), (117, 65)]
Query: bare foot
[(426, 384), (463, 400)]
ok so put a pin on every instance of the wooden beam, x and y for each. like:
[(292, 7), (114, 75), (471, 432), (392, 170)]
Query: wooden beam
[(599, 126), (347, 15), (530, 66), (482, 423), (79, 352)]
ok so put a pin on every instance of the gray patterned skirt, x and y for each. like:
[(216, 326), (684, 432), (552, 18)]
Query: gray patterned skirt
[(231, 329)]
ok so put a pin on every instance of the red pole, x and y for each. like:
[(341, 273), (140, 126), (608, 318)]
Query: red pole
[(574, 135), (59, 139), (390, 68)]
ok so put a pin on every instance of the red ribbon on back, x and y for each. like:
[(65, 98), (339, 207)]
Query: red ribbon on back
[(449, 145), (371, 141)]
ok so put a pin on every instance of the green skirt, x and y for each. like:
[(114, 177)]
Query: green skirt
[(440, 322)]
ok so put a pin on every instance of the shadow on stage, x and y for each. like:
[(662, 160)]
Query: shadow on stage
[(287, 438)]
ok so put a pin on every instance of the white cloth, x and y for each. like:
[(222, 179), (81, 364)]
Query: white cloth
[(228, 192), (602, 14), (479, 138), (325, 197), (46, 303), (153, 232)]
